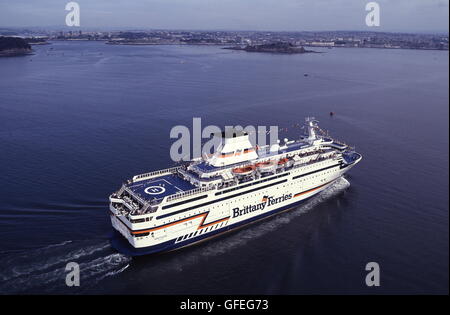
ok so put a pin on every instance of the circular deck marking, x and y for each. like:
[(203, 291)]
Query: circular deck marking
[(154, 190)]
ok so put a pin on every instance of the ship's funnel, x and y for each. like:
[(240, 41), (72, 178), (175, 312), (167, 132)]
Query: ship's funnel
[(236, 148)]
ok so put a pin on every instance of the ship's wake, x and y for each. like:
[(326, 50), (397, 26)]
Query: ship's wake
[(42, 270)]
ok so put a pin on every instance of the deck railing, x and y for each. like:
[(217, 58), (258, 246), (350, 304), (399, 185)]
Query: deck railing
[(121, 190), (191, 192), (155, 173), (195, 191), (139, 199)]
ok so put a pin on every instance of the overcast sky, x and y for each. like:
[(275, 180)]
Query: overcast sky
[(277, 15)]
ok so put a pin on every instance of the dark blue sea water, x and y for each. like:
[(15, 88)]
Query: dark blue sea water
[(76, 119)]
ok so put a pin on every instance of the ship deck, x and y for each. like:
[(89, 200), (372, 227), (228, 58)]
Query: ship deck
[(207, 168), (157, 188)]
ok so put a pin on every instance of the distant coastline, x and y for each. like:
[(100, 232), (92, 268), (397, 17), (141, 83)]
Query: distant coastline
[(148, 43), (274, 48), (240, 39), (14, 46), (36, 41)]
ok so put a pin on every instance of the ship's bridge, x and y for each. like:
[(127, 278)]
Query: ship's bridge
[(235, 148)]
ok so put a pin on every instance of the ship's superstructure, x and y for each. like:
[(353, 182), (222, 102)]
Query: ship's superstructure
[(237, 185)]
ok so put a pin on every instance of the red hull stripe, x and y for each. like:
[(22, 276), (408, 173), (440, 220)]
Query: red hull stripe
[(311, 190)]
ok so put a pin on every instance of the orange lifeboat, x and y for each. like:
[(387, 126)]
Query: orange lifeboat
[(245, 170), (283, 161)]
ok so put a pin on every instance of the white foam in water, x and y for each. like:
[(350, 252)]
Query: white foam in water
[(44, 258), (104, 267), (43, 270)]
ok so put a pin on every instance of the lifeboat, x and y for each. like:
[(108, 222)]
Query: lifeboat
[(267, 166), (283, 161), (244, 170)]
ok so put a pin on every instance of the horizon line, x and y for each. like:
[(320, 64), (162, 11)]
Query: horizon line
[(147, 28)]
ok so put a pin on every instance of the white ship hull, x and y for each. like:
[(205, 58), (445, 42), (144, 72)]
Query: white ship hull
[(217, 214)]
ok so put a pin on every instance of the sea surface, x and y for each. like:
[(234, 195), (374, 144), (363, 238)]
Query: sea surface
[(78, 118)]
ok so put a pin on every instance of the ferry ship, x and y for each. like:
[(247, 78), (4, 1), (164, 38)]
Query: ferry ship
[(237, 185)]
